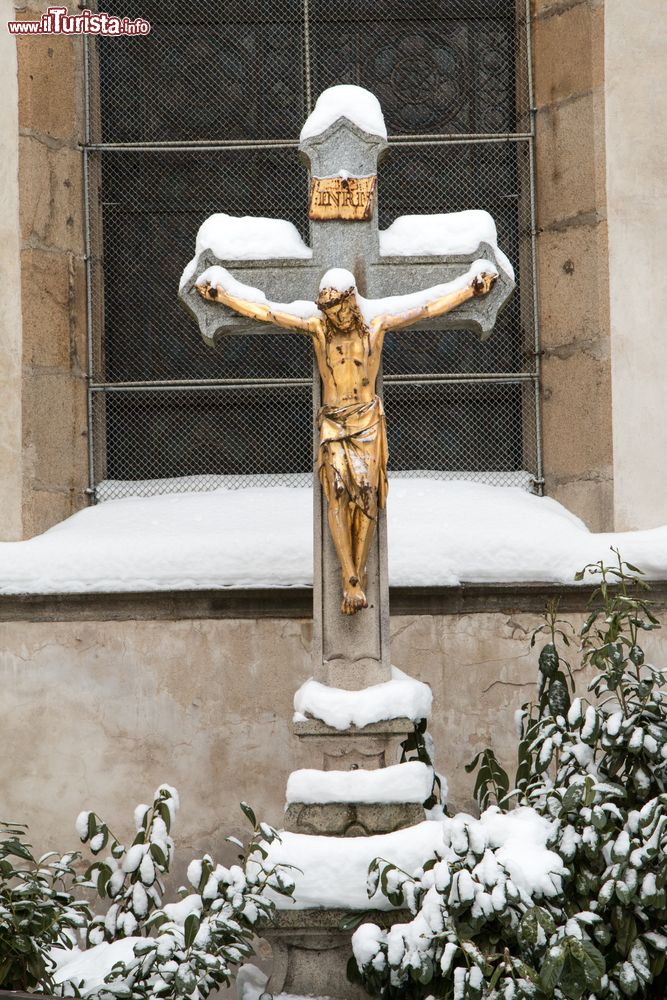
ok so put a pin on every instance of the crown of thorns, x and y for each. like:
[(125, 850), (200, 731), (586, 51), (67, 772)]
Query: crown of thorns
[(333, 297)]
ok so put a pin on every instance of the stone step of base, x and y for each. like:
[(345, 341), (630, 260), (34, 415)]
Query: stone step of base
[(375, 745), (351, 819)]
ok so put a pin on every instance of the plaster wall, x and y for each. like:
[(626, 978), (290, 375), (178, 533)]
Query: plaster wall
[(11, 526), (97, 714), (636, 125)]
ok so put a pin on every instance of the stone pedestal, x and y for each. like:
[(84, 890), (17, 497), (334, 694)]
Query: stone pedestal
[(311, 952), (351, 819), (369, 747)]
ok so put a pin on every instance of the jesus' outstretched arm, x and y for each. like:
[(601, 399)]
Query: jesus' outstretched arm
[(442, 302), (214, 284)]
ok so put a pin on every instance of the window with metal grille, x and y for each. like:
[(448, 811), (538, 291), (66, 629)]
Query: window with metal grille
[(202, 116)]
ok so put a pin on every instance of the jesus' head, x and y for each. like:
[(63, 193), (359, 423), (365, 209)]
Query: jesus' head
[(337, 299)]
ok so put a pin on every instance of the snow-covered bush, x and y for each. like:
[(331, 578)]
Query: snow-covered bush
[(144, 948), (591, 922), (38, 910), (140, 946)]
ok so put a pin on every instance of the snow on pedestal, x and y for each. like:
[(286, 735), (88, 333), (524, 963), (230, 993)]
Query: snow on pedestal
[(402, 697), (332, 871), (408, 782)]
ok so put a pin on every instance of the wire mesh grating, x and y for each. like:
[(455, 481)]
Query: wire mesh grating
[(227, 86)]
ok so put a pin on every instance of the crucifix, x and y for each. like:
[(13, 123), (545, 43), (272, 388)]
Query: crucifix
[(424, 291)]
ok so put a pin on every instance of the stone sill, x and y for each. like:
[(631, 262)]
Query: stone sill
[(296, 602)]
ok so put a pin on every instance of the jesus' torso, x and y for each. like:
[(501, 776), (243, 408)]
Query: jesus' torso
[(348, 361)]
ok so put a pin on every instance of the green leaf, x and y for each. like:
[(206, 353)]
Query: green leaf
[(352, 920), (92, 826), (594, 963), (158, 855), (248, 813), (190, 927), (18, 850), (549, 660), (552, 968)]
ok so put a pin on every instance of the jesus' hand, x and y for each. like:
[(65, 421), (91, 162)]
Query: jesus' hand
[(208, 291), (483, 283)]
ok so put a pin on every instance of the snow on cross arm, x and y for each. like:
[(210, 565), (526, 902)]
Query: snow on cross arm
[(217, 275), (443, 234), (246, 237), (393, 305)]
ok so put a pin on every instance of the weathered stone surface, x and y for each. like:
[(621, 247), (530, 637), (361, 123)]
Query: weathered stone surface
[(310, 953), (577, 384), (55, 435), (289, 604), (11, 473), (574, 287), (590, 499), (53, 298), (44, 508), (569, 52), (50, 71), (570, 183), (51, 186), (635, 85), (340, 819), (214, 698), (369, 747)]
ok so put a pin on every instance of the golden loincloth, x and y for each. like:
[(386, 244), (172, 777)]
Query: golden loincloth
[(353, 443)]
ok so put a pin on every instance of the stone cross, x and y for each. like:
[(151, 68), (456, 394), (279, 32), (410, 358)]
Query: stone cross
[(348, 651)]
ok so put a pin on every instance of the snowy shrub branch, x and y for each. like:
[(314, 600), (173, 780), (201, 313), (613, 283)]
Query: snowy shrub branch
[(174, 950), (38, 910), (584, 914), (139, 947)]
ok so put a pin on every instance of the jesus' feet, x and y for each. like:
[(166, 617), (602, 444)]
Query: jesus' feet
[(354, 598)]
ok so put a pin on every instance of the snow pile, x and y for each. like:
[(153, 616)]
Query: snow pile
[(400, 698), (451, 233), (345, 101), (506, 856), (250, 982), (332, 871), (232, 237), (441, 533), (88, 969), (518, 840), (409, 782), (216, 275)]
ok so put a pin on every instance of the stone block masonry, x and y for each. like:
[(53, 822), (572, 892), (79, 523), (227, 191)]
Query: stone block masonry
[(572, 259), (53, 390)]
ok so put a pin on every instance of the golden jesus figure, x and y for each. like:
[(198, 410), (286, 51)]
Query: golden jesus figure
[(347, 333)]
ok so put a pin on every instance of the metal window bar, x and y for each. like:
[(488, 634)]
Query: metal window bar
[(166, 413)]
